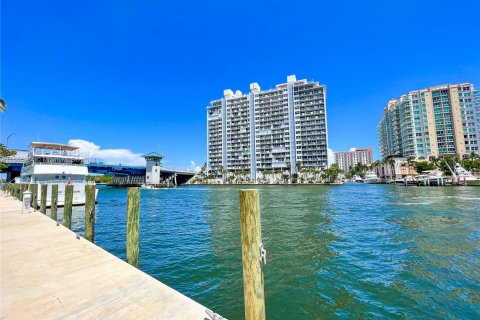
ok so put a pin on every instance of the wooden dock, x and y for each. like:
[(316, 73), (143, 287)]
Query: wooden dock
[(47, 273)]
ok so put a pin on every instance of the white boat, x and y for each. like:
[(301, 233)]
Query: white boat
[(356, 178), (432, 177), (52, 163), (371, 177), (149, 187), (465, 176)]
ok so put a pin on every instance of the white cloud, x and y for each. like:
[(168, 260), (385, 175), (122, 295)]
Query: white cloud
[(331, 157), (111, 156), (194, 166)]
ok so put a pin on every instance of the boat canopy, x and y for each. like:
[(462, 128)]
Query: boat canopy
[(52, 146)]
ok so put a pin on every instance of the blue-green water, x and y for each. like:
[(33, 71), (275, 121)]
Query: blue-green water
[(334, 252)]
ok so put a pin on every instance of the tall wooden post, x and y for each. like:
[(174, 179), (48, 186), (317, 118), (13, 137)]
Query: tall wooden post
[(253, 287), (43, 198), (20, 191), (34, 195), (54, 202), (67, 207), (133, 226), (90, 212)]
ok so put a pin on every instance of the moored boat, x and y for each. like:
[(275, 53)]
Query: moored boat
[(372, 178), (432, 178), (53, 163), (464, 176), (356, 178)]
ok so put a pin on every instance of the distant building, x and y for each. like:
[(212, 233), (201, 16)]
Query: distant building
[(349, 159), (261, 131), (437, 121)]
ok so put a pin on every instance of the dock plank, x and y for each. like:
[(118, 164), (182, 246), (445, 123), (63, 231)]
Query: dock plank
[(47, 273)]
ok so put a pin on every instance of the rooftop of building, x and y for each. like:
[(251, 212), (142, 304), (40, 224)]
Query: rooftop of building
[(369, 149), (255, 88), (152, 155), (52, 146)]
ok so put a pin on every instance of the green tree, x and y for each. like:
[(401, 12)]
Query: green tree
[(4, 152), (101, 179), (447, 164), (294, 177), (421, 166), (299, 165), (331, 174), (472, 164), (3, 105), (390, 161)]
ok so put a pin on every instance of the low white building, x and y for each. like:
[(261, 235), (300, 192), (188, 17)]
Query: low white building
[(154, 164)]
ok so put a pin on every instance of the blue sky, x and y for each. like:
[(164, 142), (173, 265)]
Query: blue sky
[(138, 75)]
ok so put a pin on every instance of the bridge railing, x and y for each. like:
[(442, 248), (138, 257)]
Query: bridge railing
[(13, 160), (177, 170)]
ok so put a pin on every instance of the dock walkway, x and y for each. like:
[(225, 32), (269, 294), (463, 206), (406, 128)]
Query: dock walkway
[(47, 273)]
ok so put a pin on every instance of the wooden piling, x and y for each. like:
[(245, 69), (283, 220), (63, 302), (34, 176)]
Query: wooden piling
[(133, 226), (19, 192), (67, 207), (90, 212), (34, 189), (253, 286), (25, 188), (43, 198), (54, 202)]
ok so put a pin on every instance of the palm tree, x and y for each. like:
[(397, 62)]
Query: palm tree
[(375, 166), (298, 164), (289, 169), (3, 106), (410, 161), (390, 161)]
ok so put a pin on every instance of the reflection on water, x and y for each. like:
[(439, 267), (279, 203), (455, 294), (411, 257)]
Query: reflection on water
[(353, 251)]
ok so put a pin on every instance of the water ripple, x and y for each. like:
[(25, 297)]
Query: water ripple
[(356, 251)]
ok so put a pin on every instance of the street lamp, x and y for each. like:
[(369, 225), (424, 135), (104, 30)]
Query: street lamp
[(8, 138)]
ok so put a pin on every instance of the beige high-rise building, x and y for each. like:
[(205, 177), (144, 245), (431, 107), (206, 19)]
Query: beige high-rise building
[(349, 159), (437, 121)]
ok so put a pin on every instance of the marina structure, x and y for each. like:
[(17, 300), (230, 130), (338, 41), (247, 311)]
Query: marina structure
[(349, 159), (54, 163), (275, 129), (437, 121), (73, 278), (154, 173)]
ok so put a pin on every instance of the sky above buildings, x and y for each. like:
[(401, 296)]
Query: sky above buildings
[(124, 78)]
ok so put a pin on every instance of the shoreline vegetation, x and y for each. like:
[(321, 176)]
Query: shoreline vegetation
[(305, 176), (388, 169)]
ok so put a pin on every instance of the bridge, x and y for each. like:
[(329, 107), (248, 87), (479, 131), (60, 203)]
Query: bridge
[(135, 175), (124, 175)]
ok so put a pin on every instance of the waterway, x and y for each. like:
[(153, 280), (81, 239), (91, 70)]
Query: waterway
[(334, 252)]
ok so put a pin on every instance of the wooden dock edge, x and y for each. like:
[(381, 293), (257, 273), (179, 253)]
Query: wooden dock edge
[(48, 273)]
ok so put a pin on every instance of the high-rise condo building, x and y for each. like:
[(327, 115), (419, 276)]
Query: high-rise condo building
[(349, 159), (267, 130), (438, 121)]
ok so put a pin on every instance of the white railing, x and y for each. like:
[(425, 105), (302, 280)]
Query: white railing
[(177, 170)]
